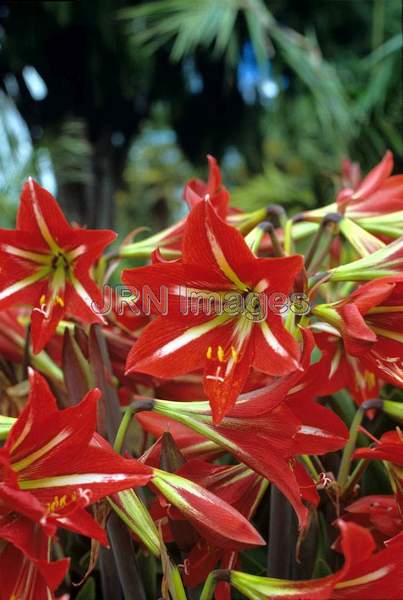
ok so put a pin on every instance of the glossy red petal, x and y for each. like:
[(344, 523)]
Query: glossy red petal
[(375, 177), (169, 347), (215, 519), (210, 242), (33, 198), (276, 351), (44, 324)]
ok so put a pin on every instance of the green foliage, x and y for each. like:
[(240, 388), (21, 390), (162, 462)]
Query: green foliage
[(338, 75)]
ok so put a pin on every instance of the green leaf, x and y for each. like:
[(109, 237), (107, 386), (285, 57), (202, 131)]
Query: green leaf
[(88, 590), (394, 410)]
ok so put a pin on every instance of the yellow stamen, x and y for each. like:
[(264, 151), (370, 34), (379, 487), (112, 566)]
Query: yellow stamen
[(209, 352), (59, 300), (234, 353), (220, 353), (42, 299), (60, 502), (369, 379)]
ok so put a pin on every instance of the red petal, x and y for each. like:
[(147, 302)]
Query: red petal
[(33, 193), (375, 177), (169, 347), (210, 242)]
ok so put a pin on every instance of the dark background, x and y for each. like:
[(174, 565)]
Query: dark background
[(113, 104)]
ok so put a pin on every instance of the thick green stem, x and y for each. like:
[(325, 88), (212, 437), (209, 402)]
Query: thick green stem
[(123, 428)]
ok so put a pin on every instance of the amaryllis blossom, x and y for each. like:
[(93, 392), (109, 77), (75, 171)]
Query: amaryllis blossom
[(389, 448), (53, 464), (45, 263), (26, 571), (365, 574), (378, 513), (337, 369), (213, 190), (370, 322), (240, 487), (190, 444), (372, 209), (234, 327), (212, 517), (266, 429), (379, 192)]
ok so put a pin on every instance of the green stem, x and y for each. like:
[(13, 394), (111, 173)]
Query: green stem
[(321, 242), (354, 478), (209, 586), (123, 428), (349, 448), (288, 241), (310, 466), (276, 246)]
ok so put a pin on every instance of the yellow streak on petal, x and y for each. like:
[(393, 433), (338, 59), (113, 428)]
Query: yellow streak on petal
[(34, 456), (368, 578)]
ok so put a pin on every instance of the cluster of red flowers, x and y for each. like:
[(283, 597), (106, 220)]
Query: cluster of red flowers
[(269, 381)]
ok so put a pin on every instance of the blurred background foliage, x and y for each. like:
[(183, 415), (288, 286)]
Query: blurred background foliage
[(114, 104)]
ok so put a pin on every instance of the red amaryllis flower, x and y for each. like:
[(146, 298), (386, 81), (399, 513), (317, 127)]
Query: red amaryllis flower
[(46, 262), (379, 514), (25, 569), (267, 428), (365, 573), (378, 193), (213, 190), (212, 517), (53, 464), (266, 442), (191, 444), (389, 448), (237, 485), (337, 369), (229, 289), (370, 321)]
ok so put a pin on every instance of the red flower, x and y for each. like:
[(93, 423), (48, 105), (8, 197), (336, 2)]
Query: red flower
[(379, 514), (389, 448), (237, 485), (370, 321), (46, 263), (264, 432), (338, 370), (235, 331), (53, 464), (266, 429), (212, 517), (25, 569), (378, 193), (196, 190), (365, 573)]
